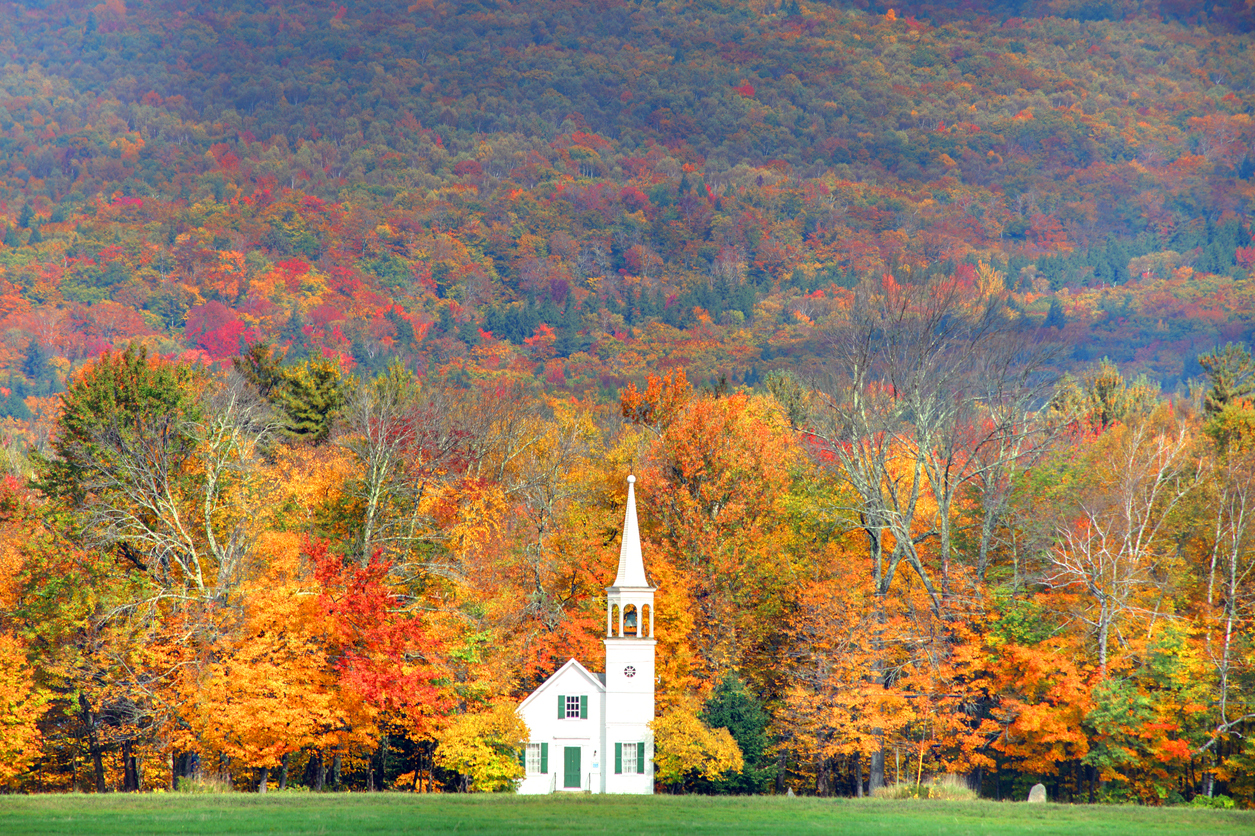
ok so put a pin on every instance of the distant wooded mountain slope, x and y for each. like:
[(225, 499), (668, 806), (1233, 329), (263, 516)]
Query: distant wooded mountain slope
[(578, 193)]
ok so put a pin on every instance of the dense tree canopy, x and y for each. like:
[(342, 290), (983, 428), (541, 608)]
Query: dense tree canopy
[(328, 334)]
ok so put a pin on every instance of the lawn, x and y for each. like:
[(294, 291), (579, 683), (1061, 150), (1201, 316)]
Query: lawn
[(360, 814)]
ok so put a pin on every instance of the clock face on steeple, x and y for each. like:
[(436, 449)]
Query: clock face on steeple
[(629, 671)]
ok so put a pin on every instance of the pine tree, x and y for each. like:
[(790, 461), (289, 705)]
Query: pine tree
[(1055, 317), (1231, 372), (310, 397), (734, 708)]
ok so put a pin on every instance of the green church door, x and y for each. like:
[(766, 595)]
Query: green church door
[(571, 768)]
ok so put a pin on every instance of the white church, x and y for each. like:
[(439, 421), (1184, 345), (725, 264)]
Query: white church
[(598, 739)]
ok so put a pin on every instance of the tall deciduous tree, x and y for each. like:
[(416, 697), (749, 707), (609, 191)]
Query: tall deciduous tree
[(1113, 554), (21, 704), (718, 482), (928, 388), (1230, 573), (158, 459), (408, 446), (267, 689)]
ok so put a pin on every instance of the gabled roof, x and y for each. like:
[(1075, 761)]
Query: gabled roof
[(631, 563), (594, 680)]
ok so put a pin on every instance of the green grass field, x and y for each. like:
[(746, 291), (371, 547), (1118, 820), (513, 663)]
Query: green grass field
[(399, 813)]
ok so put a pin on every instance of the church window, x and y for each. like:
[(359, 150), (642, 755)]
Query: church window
[(537, 758), (629, 758), (573, 708)]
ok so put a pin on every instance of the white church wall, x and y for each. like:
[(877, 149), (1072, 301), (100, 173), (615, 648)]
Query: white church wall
[(629, 710), (582, 696)]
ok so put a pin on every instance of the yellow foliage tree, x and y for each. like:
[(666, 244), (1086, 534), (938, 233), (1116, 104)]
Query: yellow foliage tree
[(483, 746), (684, 746), (271, 690), (20, 707)]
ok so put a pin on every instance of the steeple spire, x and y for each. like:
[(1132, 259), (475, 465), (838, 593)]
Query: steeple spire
[(631, 563)]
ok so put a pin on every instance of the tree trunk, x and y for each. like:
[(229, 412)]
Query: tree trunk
[(383, 761), (335, 769), (283, 771), (262, 779), (93, 741), (321, 772), (1103, 630), (130, 768), (431, 766), (858, 775), (876, 777)]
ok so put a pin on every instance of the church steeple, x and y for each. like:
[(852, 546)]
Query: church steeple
[(630, 676), (630, 601), (631, 562)]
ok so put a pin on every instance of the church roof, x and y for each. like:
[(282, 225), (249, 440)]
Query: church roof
[(631, 563), (596, 680)]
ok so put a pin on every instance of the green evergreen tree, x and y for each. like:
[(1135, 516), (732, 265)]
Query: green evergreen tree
[(260, 367), (128, 407), (468, 332), (1231, 372), (310, 397), (734, 708), (1055, 317)]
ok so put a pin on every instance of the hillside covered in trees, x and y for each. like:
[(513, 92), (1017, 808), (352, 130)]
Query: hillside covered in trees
[(329, 333)]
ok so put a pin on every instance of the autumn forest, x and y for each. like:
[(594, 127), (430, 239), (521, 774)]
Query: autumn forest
[(330, 332)]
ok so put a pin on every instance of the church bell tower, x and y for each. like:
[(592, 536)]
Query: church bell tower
[(627, 741)]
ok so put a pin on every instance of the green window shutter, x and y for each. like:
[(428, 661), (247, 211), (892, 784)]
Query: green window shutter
[(583, 706), (523, 756), (544, 758), (561, 707), (618, 759), (640, 758)]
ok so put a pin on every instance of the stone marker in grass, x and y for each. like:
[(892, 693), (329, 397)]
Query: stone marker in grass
[(1037, 795)]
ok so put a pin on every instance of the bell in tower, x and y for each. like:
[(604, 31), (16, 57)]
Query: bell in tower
[(629, 621)]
